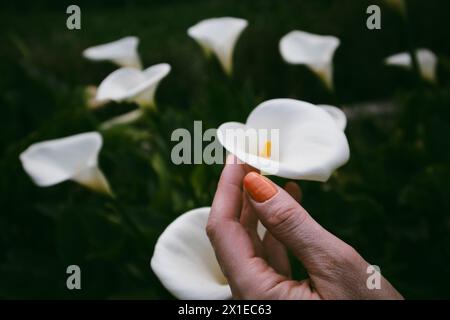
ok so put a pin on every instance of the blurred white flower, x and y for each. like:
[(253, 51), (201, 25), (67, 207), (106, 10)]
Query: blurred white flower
[(219, 35), (90, 92), (129, 84), (314, 51), (311, 142), (122, 52), (185, 262), (123, 119), (427, 62), (72, 158)]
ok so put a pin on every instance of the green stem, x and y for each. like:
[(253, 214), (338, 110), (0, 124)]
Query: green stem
[(129, 221)]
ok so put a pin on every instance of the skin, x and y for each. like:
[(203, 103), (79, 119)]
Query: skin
[(259, 269)]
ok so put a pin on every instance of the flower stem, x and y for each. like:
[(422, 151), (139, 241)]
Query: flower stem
[(137, 232)]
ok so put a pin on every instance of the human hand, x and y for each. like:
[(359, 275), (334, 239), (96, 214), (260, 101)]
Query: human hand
[(259, 269)]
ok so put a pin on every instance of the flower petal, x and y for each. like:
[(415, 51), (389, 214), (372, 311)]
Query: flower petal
[(261, 230), (238, 139), (219, 35), (311, 145), (126, 118), (123, 52), (54, 161), (153, 75), (337, 114), (94, 179), (185, 262), (427, 62), (129, 84), (120, 85), (314, 51)]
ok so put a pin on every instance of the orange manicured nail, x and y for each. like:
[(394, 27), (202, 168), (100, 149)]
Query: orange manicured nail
[(260, 188)]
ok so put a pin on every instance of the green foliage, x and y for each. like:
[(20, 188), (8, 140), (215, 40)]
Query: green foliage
[(391, 201)]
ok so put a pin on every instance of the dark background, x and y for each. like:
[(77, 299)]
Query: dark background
[(391, 201)]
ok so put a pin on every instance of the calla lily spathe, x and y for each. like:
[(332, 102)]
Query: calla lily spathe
[(122, 52), (219, 36), (185, 262), (314, 51), (311, 142), (72, 158), (427, 62), (337, 114), (123, 119), (129, 84)]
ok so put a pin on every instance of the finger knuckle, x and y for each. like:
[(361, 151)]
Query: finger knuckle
[(211, 228), (287, 218), (340, 260), (348, 255)]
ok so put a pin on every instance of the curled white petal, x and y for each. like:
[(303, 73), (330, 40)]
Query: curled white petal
[(219, 35), (123, 119), (337, 114), (185, 262), (122, 52), (94, 179), (71, 158), (309, 144), (129, 84), (314, 51), (427, 62)]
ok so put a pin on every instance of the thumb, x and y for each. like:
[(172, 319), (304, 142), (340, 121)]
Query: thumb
[(290, 224)]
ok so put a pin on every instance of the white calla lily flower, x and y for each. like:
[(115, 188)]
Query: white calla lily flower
[(122, 52), (219, 36), (72, 158), (185, 262), (427, 62), (129, 84), (337, 114), (314, 51), (294, 140)]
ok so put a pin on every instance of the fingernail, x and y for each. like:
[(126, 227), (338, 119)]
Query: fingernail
[(260, 188)]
